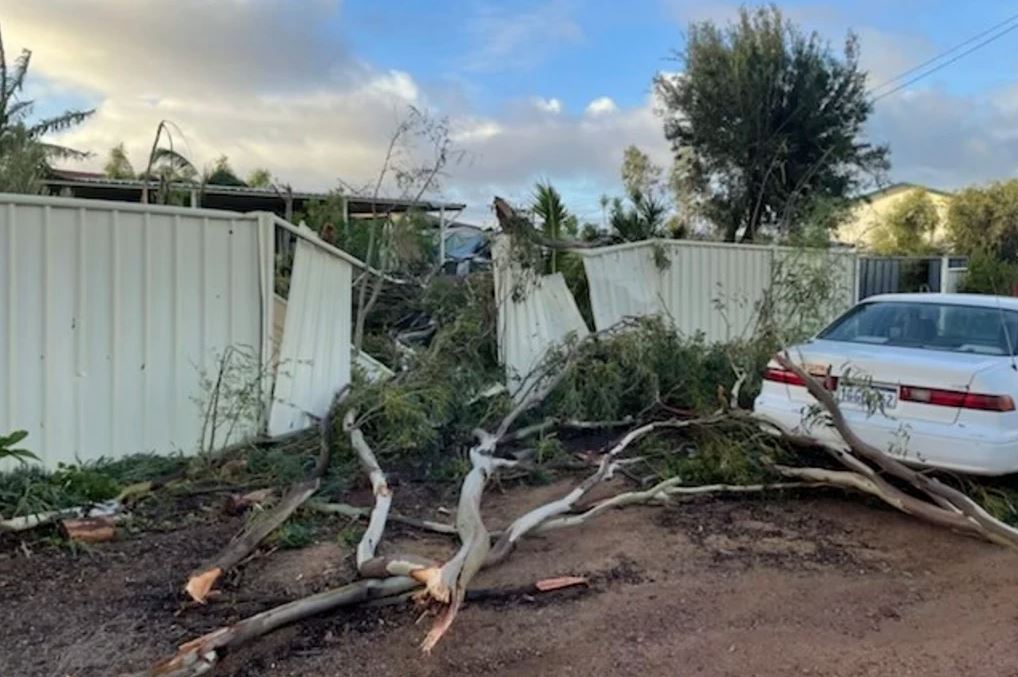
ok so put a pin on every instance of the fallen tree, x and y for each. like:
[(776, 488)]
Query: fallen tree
[(445, 585)]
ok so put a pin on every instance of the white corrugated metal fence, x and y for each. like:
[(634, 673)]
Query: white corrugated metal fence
[(707, 287), (112, 311)]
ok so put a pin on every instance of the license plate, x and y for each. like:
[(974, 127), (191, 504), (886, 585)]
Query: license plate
[(862, 396)]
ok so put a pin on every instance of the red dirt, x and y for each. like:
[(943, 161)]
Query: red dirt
[(822, 586)]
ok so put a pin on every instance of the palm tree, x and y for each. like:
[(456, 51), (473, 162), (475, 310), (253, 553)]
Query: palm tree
[(641, 221), (554, 215), (21, 143), (166, 165)]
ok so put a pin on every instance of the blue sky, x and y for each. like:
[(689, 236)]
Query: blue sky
[(551, 89)]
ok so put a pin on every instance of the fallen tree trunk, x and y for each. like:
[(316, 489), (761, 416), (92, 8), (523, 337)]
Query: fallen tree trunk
[(201, 581), (200, 655)]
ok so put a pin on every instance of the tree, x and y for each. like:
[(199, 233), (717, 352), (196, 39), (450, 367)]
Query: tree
[(260, 178), (166, 165), (222, 174), (555, 218), (24, 156), (642, 219), (986, 220), (639, 173), (909, 227), (118, 166), (772, 119)]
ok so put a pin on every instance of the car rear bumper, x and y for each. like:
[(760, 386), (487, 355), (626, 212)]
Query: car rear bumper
[(946, 446)]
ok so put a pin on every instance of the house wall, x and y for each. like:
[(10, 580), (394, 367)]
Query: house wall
[(111, 313), (869, 216)]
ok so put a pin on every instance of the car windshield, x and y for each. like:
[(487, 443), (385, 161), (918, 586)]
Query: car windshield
[(930, 326)]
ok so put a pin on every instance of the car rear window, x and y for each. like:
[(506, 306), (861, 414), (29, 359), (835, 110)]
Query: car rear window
[(931, 326)]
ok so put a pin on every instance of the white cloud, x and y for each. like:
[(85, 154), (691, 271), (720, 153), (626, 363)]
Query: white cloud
[(548, 105), (602, 105)]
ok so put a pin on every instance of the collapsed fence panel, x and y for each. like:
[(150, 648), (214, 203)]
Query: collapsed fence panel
[(113, 314), (710, 288), (314, 356), (535, 314)]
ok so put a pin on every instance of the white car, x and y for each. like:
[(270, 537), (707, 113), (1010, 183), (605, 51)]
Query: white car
[(929, 378)]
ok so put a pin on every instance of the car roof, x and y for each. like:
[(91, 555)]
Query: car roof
[(982, 300)]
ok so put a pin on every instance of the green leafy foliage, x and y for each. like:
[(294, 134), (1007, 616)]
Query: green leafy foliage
[(556, 221), (222, 174), (118, 166), (642, 218), (34, 489), (748, 110), (9, 450), (985, 220), (293, 535), (24, 155), (259, 178), (433, 405), (629, 372), (988, 274), (909, 227), (410, 239)]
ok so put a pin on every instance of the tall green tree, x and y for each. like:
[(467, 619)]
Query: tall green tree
[(24, 154), (118, 166), (772, 119)]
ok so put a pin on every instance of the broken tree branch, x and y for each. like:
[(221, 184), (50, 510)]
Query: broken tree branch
[(243, 544), (534, 518), (379, 487), (664, 490), (200, 655), (965, 512)]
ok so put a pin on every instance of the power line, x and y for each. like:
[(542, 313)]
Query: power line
[(943, 54), (945, 64)]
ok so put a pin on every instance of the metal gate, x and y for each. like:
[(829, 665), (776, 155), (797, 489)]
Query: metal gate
[(899, 274)]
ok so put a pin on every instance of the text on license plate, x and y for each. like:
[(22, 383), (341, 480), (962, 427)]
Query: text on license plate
[(864, 396)]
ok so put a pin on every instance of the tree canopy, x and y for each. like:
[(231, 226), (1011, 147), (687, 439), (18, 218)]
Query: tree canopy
[(260, 178), (24, 155), (909, 227), (769, 119), (222, 174), (117, 165), (986, 220)]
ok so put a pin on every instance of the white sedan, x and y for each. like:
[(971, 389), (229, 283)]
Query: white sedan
[(929, 378)]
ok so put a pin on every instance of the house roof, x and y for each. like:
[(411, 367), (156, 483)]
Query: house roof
[(900, 186), (236, 198)]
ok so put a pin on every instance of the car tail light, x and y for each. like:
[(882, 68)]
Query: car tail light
[(788, 377), (783, 376), (957, 399)]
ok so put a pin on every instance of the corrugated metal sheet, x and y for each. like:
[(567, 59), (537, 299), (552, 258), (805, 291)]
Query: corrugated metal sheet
[(707, 287), (535, 313), (315, 357), (110, 313)]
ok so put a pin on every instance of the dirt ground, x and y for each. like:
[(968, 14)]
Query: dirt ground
[(808, 586)]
